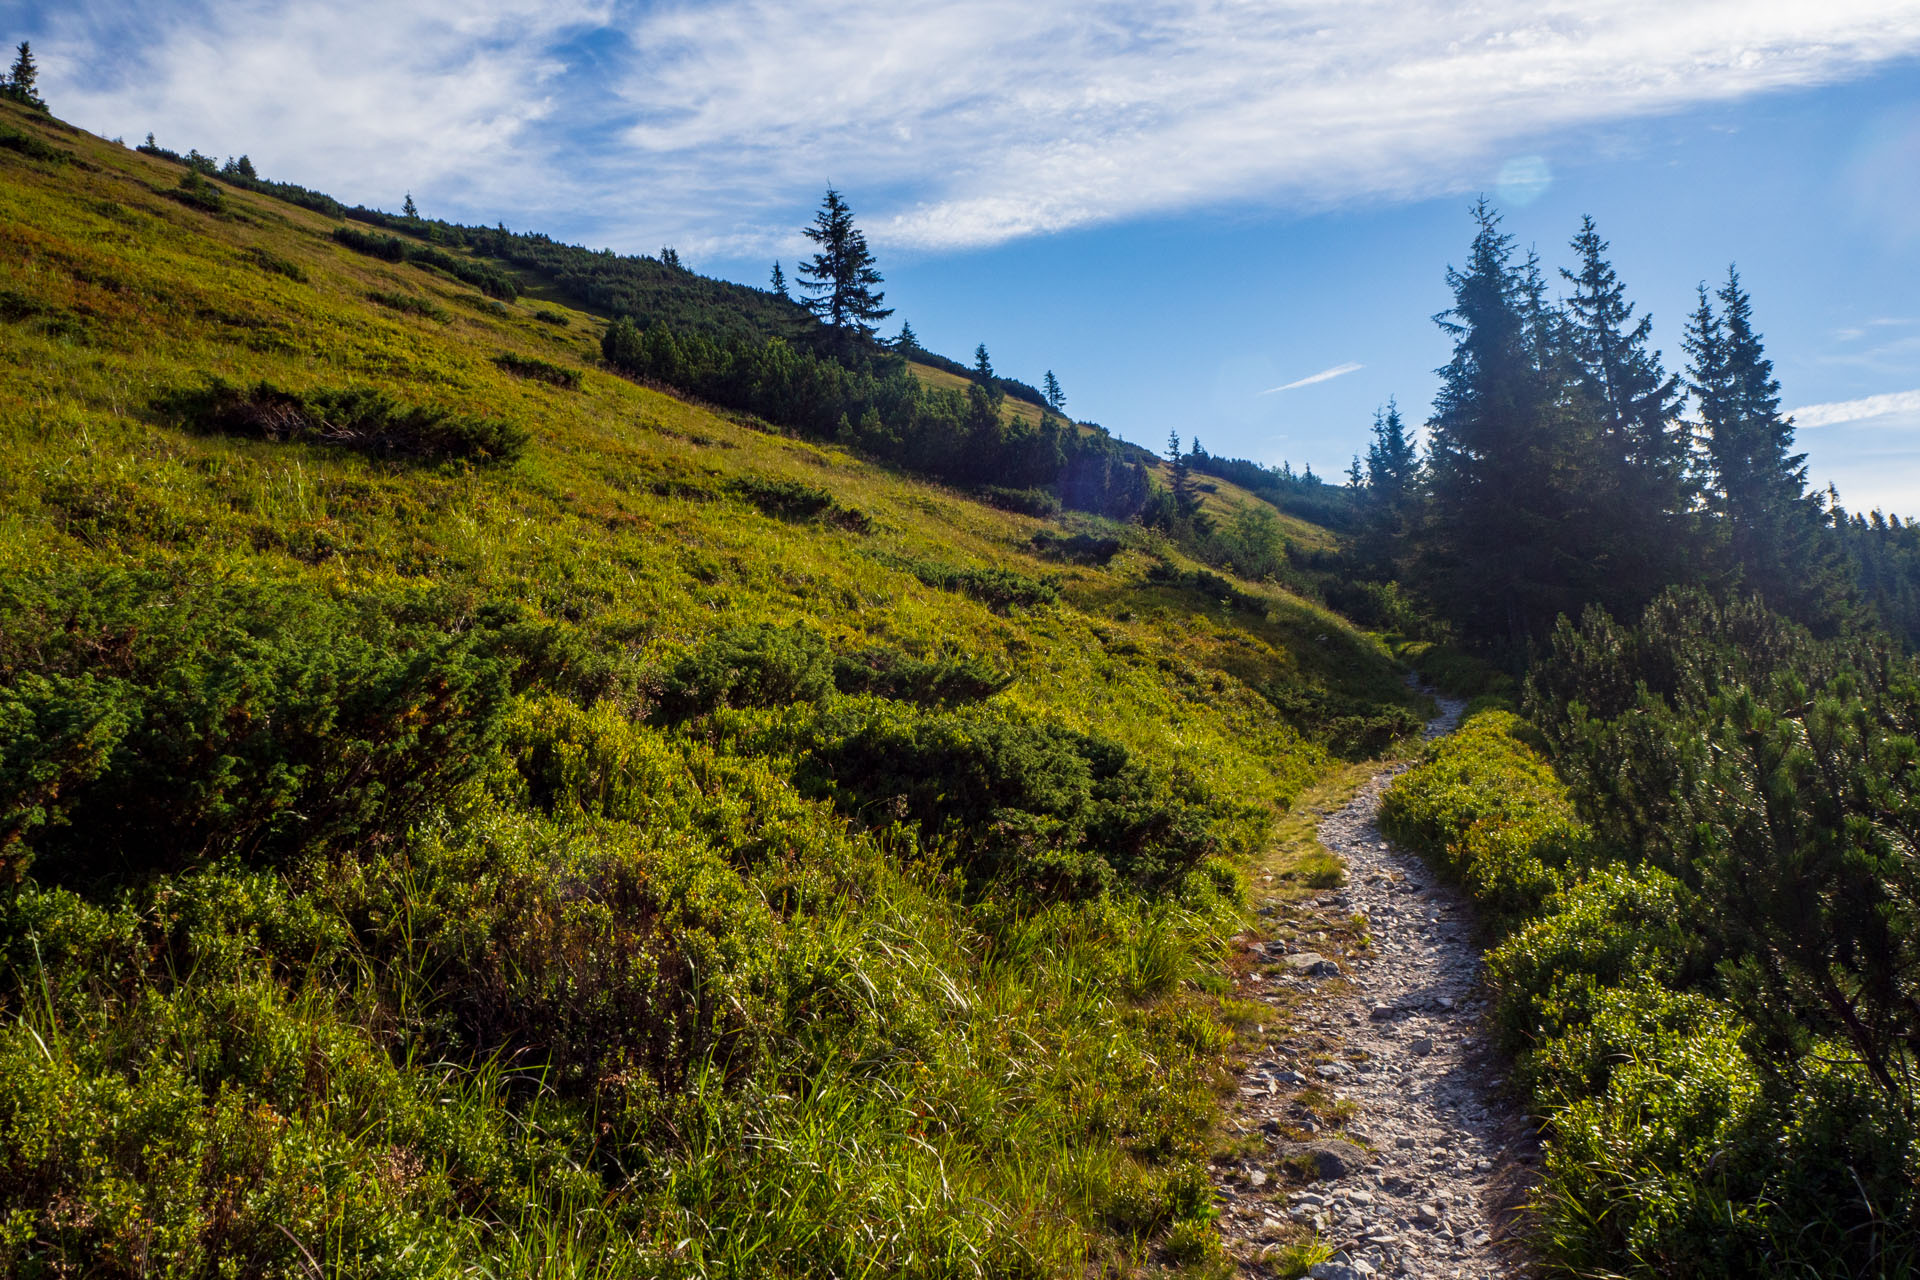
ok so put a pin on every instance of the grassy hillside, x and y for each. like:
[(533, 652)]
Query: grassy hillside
[(462, 811)]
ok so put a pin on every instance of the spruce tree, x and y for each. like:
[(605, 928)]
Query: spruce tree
[(670, 257), (1186, 499), (907, 339), (778, 281), (1391, 458), (982, 366), (1773, 534), (1392, 465), (1056, 398), (23, 80), (841, 277), (1638, 475), (1504, 545), (410, 209)]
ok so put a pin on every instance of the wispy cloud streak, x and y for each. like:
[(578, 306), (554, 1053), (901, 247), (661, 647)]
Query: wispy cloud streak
[(953, 123), (1863, 410), (1325, 375)]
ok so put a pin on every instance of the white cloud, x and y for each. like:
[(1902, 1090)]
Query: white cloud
[(1827, 415), (1322, 376), (951, 124), (366, 99)]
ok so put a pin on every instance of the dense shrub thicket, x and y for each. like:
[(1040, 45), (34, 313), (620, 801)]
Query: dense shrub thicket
[(1886, 553), (148, 728), (884, 410), (491, 281), (31, 147), (269, 849), (1706, 949)]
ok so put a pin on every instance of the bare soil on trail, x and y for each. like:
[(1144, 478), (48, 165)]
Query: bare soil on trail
[(1376, 1118)]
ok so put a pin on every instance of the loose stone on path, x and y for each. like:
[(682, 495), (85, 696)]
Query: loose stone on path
[(1412, 1178)]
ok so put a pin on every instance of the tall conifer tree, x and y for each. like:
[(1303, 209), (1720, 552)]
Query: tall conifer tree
[(1774, 534), (1639, 471), (1392, 468), (23, 80), (841, 276), (1391, 458), (1505, 543), (1186, 499), (982, 365)]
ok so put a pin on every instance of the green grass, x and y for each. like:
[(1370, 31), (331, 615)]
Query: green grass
[(630, 994)]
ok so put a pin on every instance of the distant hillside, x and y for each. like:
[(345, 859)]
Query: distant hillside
[(464, 811)]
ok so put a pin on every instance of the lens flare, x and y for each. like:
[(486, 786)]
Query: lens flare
[(1523, 180)]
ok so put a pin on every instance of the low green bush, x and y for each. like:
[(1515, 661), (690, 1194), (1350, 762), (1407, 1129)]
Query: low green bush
[(756, 665), (31, 147), (1354, 728), (267, 260), (1207, 583), (795, 500), (1485, 807), (1027, 502), (1457, 673), (1651, 1159), (999, 589), (225, 721), (1610, 927), (538, 370), (1683, 1138), (197, 192), (1079, 548), (1028, 807), (889, 673), (358, 418), (408, 304)]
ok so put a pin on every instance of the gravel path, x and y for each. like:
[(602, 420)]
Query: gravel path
[(1377, 1120)]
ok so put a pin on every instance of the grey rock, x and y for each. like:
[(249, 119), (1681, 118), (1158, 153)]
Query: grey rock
[(1422, 1045), (1332, 1271), (1331, 1159)]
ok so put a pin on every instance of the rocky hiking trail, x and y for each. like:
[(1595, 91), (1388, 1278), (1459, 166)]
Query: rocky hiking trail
[(1375, 1115)]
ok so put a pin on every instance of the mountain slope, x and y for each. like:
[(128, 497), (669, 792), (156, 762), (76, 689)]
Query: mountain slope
[(464, 809)]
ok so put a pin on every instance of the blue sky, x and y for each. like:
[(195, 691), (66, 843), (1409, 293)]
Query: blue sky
[(1179, 206)]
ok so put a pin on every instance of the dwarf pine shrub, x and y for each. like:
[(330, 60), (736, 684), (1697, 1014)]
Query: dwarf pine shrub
[(359, 418)]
